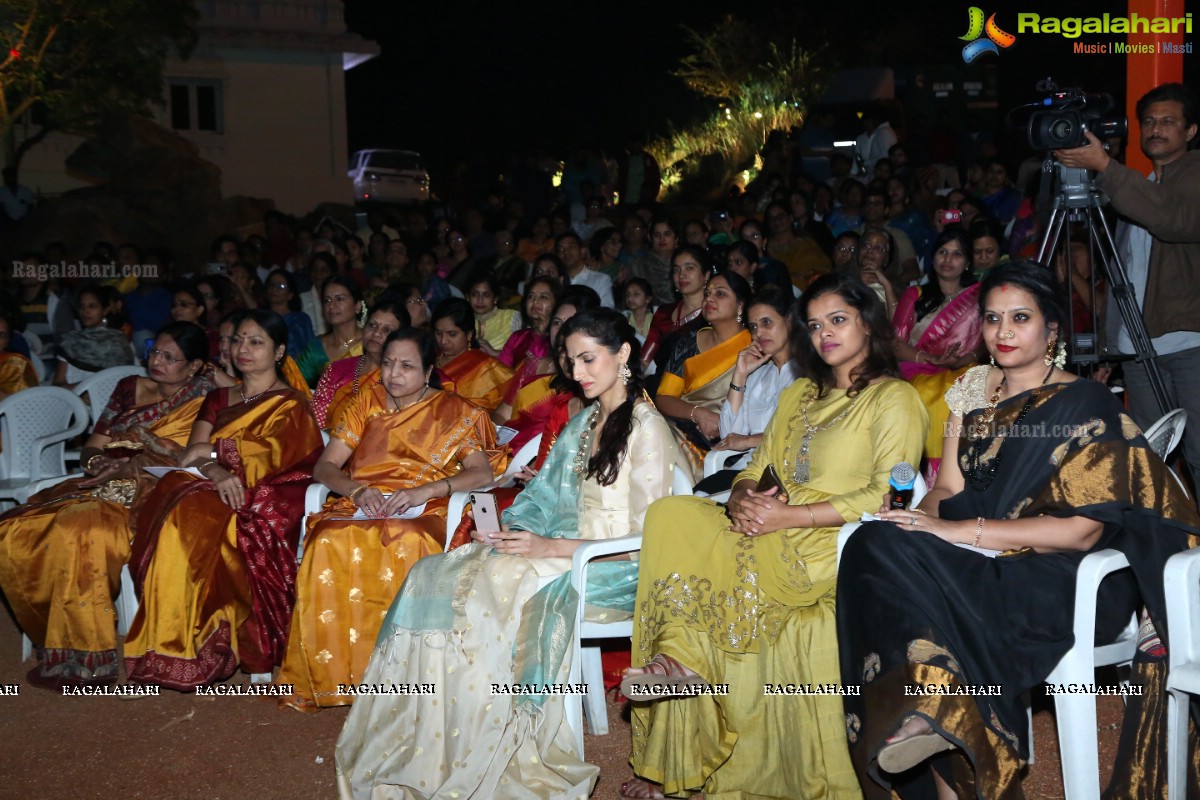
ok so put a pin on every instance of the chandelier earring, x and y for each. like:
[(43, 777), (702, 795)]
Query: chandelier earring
[(624, 373), (1050, 358)]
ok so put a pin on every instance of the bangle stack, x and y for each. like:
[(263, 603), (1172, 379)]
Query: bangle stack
[(812, 516), (978, 531), (209, 463), (692, 414), (362, 487), (449, 487)]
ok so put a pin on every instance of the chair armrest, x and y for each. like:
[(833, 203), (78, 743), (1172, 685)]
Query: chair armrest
[(588, 551), (1094, 568), (315, 497), (714, 460), (1180, 579), (458, 504), (46, 483)]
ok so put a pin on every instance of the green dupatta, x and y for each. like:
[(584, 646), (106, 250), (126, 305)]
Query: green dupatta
[(550, 506)]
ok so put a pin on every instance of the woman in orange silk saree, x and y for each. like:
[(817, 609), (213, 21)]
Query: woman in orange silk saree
[(354, 565)]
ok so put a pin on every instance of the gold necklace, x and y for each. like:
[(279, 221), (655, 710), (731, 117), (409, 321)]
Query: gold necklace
[(801, 472), (399, 407), (579, 465)]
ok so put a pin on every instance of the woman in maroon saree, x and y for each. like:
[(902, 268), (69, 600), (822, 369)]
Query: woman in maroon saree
[(214, 558)]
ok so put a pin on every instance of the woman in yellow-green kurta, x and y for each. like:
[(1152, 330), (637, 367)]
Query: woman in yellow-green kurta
[(412, 444), (748, 600)]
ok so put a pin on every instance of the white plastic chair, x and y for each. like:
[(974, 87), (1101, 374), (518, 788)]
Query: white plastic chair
[(586, 665), (1181, 584), (99, 386), (1164, 435), (35, 425)]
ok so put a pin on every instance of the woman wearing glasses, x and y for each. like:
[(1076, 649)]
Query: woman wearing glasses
[(284, 300), (62, 552)]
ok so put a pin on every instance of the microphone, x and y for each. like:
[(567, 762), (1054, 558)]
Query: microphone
[(900, 485)]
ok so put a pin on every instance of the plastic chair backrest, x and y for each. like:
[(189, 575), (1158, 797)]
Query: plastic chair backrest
[(34, 425), (99, 386), (1165, 434)]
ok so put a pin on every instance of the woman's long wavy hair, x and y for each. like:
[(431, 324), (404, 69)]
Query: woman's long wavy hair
[(931, 293), (880, 360), (611, 329)]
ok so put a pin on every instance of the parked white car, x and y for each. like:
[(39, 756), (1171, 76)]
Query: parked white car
[(389, 176)]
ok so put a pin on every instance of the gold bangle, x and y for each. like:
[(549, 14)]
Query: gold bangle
[(88, 465), (449, 487), (811, 515), (362, 487), (978, 531), (692, 414)]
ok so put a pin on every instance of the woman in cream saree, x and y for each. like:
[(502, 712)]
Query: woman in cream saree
[(500, 611)]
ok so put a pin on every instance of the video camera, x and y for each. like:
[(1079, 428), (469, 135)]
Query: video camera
[(1065, 114)]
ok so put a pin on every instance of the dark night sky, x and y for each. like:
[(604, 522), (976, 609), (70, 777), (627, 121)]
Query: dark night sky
[(460, 83)]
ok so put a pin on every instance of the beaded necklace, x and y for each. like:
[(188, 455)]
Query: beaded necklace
[(980, 477)]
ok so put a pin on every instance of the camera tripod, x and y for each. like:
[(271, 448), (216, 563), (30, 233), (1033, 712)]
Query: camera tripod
[(1079, 201)]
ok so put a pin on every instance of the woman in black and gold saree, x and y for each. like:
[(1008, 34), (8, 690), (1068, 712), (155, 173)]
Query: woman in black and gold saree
[(1047, 468)]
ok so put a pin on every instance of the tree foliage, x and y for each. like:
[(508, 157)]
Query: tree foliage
[(66, 63), (761, 80)]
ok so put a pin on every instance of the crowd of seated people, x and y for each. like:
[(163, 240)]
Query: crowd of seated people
[(822, 342)]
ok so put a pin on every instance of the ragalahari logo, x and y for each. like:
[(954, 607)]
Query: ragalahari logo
[(995, 40)]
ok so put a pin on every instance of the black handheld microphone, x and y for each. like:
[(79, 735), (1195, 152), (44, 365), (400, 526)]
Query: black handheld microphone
[(901, 483)]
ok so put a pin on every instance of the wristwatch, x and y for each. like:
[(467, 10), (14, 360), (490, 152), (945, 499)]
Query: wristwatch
[(737, 388)]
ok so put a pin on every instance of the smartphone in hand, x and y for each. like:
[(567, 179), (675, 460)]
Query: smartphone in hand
[(487, 519)]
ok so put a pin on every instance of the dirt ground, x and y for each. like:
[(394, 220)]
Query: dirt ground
[(230, 748)]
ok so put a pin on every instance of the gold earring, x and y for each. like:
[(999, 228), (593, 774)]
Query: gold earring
[(1050, 356)]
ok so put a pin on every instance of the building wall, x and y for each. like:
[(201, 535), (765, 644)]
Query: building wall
[(284, 125), (280, 66)]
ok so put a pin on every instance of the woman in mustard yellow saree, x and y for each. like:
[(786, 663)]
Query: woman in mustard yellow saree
[(408, 445), (61, 554), (214, 558), (697, 375)]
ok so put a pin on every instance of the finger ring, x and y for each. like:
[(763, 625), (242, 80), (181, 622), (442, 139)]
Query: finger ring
[(913, 522)]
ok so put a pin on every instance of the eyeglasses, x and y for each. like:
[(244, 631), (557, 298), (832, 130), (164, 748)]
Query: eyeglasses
[(845, 248), (163, 354), (415, 301)]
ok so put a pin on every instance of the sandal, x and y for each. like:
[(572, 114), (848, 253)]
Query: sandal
[(904, 754), (664, 676), (652, 790)]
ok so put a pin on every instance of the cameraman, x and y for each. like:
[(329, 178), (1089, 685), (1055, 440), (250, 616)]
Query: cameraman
[(1158, 239)]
